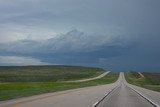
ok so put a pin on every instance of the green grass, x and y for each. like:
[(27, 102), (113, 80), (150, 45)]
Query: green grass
[(150, 80), (31, 80), (17, 90), (47, 73), (154, 78)]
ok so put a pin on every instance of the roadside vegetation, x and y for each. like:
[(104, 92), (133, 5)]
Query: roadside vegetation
[(41, 84), (150, 80), (47, 73)]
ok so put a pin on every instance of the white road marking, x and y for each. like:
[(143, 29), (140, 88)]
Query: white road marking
[(95, 104), (106, 94), (149, 100)]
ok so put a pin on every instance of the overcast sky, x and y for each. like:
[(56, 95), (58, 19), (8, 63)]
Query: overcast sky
[(118, 35)]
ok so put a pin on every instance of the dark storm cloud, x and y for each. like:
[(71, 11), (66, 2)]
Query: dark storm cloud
[(116, 34)]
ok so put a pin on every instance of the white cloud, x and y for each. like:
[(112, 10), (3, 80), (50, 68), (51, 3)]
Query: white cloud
[(10, 33), (20, 60)]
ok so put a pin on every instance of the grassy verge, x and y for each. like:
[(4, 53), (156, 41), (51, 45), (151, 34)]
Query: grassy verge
[(17, 90), (47, 73), (150, 80)]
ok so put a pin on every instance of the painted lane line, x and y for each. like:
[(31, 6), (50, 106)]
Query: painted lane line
[(146, 98), (106, 94), (98, 102), (95, 103)]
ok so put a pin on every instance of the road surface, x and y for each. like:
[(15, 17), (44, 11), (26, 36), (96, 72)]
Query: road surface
[(142, 76), (89, 79), (124, 96), (119, 94)]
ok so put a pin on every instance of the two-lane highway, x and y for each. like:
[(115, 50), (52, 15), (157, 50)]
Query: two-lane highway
[(124, 96), (118, 94)]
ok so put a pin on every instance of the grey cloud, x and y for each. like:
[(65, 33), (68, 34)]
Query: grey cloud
[(73, 41), (124, 31)]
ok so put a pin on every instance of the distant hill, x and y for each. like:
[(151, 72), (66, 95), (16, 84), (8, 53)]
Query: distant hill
[(51, 73)]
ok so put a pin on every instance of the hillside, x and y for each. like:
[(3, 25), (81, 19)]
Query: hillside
[(47, 73)]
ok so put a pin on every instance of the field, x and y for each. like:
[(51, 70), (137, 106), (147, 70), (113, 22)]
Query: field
[(46, 73), (149, 81), (38, 82)]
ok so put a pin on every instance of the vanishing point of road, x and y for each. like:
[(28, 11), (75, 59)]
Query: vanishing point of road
[(118, 94)]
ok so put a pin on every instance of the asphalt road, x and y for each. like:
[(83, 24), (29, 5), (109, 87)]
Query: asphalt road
[(89, 79), (121, 96)]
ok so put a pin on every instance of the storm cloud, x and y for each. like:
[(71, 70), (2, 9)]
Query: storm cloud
[(117, 35)]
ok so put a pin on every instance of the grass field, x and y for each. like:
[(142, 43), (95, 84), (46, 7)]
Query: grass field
[(10, 90), (149, 81), (47, 73)]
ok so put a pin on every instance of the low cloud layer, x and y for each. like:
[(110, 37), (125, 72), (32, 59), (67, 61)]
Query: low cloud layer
[(20, 61), (77, 48), (73, 41)]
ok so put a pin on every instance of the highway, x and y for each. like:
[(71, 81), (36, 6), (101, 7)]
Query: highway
[(118, 94), (124, 96)]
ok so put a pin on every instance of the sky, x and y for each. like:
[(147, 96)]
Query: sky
[(117, 35)]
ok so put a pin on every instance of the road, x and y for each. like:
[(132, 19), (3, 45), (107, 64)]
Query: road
[(142, 76), (89, 79), (124, 96), (121, 96)]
